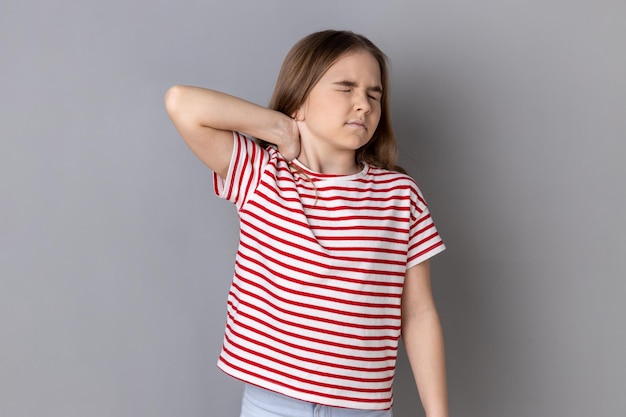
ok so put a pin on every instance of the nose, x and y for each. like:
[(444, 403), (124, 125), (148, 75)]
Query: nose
[(362, 103)]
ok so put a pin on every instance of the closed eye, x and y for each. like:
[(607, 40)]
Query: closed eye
[(374, 92)]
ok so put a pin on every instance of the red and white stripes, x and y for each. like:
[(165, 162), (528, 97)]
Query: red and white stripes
[(314, 306)]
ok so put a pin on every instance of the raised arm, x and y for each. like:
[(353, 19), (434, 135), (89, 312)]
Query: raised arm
[(206, 119), (423, 340)]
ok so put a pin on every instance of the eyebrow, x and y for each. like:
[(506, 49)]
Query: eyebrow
[(346, 83)]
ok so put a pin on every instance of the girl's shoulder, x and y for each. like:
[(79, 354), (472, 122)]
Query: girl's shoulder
[(401, 182), (391, 175), (254, 147)]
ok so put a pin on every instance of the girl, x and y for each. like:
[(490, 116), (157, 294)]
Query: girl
[(332, 265)]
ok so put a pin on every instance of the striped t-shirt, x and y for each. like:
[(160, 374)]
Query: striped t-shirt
[(314, 306)]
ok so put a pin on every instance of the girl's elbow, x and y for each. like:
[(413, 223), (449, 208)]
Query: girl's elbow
[(173, 98), (178, 100)]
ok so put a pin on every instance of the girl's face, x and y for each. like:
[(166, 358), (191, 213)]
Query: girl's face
[(342, 110)]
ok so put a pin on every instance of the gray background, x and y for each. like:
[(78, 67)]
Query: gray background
[(116, 258)]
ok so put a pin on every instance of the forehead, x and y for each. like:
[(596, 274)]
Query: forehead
[(359, 65)]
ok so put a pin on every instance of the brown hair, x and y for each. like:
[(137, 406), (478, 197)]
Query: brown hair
[(306, 63)]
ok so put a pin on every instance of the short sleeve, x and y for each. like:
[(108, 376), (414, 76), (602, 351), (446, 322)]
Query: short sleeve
[(424, 239), (244, 171)]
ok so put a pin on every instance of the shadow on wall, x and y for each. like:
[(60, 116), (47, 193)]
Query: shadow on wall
[(440, 136)]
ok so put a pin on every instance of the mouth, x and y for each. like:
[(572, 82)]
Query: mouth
[(357, 123)]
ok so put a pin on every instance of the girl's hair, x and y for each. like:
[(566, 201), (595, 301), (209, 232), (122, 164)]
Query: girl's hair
[(306, 63)]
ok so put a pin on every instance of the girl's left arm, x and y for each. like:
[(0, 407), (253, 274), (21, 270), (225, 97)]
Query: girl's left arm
[(423, 340)]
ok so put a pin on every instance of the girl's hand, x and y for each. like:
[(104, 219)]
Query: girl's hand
[(206, 119), (289, 148)]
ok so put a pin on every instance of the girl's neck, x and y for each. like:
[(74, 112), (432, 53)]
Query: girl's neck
[(335, 163)]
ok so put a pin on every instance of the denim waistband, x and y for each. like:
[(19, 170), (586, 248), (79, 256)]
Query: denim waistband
[(260, 402)]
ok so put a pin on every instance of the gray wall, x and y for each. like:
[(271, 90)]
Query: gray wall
[(115, 258)]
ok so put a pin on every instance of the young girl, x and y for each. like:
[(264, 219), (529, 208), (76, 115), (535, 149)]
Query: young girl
[(332, 265)]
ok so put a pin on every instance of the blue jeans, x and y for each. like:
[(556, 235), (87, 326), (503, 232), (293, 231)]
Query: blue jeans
[(259, 402)]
